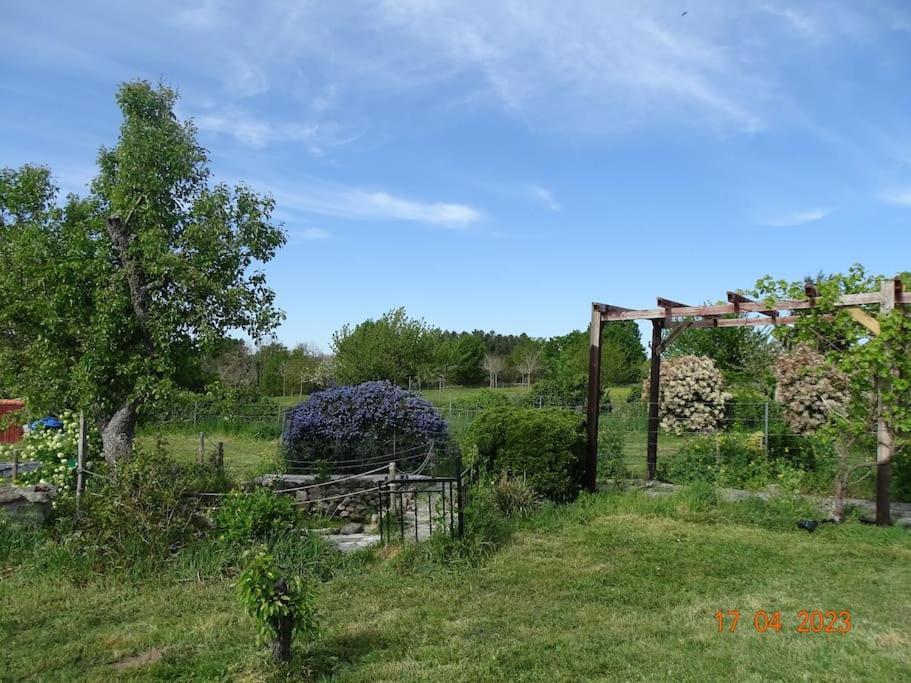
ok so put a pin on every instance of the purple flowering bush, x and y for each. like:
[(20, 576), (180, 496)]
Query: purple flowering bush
[(361, 421)]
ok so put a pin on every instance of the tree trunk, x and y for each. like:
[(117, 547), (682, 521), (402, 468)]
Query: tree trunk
[(281, 646), (117, 434)]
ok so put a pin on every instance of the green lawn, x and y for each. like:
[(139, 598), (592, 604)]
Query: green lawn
[(245, 456), (614, 587)]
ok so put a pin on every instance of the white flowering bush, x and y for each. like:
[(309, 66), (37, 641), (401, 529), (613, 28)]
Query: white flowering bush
[(809, 389), (692, 395), (54, 450)]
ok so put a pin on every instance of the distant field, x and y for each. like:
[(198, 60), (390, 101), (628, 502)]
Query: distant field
[(245, 456), (441, 397)]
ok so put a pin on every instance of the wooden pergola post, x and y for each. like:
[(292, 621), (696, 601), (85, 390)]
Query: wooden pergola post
[(890, 292), (594, 398), (654, 389)]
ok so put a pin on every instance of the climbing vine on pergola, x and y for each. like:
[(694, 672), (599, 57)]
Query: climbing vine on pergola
[(671, 318)]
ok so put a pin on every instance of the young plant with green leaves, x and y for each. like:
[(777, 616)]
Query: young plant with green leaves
[(280, 607), (105, 299)]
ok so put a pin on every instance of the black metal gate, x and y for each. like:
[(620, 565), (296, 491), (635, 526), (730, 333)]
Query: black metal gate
[(417, 506)]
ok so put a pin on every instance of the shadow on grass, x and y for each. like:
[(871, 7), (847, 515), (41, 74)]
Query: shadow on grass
[(331, 654)]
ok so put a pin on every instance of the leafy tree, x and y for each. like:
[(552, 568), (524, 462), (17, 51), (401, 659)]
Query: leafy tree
[(270, 358), (306, 369), (469, 357), (395, 348), (234, 366), (622, 353), (103, 299), (565, 361), (738, 351)]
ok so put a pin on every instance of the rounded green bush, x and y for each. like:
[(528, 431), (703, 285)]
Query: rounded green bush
[(545, 446), (255, 516)]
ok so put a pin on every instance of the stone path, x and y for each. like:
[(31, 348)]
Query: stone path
[(901, 512), (353, 538), (348, 543)]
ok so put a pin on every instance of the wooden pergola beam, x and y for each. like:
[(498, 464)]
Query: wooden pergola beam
[(739, 299), (741, 322), (669, 305), (612, 313)]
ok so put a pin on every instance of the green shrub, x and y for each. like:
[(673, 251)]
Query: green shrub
[(738, 460), (803, 451), (562, 390), (695, 462), (255, 516), (144, 510), (901, 475), (746, 408), (545, 446)]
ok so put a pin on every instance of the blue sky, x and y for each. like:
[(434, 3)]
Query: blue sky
[(501, 165)]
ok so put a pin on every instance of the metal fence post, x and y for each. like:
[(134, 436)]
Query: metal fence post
[(766, 428), (461, 516), (80, 457)]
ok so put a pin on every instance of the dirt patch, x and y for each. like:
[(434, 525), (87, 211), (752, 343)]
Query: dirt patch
[(136, 661)]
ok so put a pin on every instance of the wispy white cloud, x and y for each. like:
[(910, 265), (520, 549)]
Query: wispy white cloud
[(591, 65), (899, 197), (544, 196), (801, 22), (312, 234), (797, 218), (259, 132), (203, 14), (353, 203)]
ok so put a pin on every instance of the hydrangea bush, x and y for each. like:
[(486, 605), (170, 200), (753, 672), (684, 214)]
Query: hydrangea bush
[(360, 421), (54, 450), (692, 395), (809, 389)]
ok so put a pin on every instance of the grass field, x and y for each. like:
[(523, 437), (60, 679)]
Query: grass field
[(615, 587), (245, 456)]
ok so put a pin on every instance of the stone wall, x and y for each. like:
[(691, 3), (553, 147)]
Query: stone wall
[(345, 497)]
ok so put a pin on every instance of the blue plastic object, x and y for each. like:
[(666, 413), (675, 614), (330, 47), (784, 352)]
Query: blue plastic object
[(49, 422)]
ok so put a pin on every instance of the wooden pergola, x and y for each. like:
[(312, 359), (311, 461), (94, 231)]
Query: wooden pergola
[(677, 317)]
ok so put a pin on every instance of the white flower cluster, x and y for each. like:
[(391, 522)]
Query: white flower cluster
[(692, 395), (54, 449), (809, 389)]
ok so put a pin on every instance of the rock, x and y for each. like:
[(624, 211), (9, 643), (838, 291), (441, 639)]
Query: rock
[(25, 506), (352, 528)]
